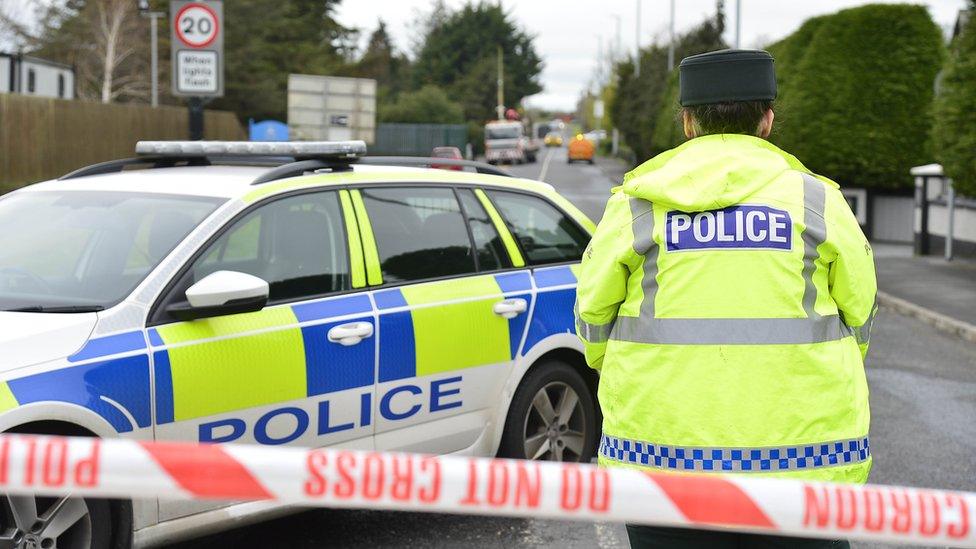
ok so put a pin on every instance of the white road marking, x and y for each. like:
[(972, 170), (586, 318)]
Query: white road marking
[(545, 165)]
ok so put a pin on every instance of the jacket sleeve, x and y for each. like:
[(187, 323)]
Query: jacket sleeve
[(851, 275), (603, 275)]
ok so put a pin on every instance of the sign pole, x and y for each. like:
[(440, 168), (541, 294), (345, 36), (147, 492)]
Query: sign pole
[(197, 42), (195, 110)]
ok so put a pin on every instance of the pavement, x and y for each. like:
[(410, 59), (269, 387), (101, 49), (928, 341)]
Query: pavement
[(922, 382), (939, 292)]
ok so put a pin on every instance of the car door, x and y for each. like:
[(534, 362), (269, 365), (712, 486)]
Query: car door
[(552, 244), (302, 370), (452, 314)]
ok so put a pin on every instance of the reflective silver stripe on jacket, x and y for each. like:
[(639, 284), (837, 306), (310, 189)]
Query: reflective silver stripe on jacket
[(862, 333), (729, 331), (592, 333), (815, 328), (737, 460)]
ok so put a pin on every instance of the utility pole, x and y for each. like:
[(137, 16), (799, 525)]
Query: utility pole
[(616, 48), (671, 41), (501, 87), (637, 41), (153, 45), (738, 23), (599, 62)]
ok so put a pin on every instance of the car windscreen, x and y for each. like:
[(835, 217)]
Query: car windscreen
[(74, 251), (509, 132)]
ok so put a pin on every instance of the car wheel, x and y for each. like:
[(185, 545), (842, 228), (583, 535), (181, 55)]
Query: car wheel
[(590, 161), (552, 417), (55, 522)]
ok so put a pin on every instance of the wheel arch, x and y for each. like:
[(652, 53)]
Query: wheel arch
[(562, 347), (122, 511)]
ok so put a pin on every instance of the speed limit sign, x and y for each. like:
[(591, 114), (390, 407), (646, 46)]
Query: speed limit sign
[(197, 47), (196, 25)]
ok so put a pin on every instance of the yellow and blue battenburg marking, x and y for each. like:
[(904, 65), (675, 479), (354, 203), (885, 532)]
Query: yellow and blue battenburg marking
[(553, 303), (99, 383), (215, 366)]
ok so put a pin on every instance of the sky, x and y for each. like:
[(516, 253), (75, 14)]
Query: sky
[(569, 32)]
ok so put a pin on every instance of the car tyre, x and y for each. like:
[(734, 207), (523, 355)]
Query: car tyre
[(553, 417), (66, 523)]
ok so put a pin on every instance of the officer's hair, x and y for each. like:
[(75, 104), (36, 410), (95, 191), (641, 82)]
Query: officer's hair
[(729, 117)]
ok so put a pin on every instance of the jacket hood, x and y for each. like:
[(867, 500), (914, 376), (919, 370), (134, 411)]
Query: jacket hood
[(32, 338), (709, 173)]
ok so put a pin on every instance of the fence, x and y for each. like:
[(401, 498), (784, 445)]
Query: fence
[(44, 138), (417, 139)]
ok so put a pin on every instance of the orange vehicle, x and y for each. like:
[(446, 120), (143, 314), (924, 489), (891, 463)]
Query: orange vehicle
[(580, 148)]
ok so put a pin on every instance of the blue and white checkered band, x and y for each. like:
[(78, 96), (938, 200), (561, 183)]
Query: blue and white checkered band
[(736, 460)]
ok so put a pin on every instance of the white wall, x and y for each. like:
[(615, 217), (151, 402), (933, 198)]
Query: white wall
[(4, 74), (964, 222), (46, 79)]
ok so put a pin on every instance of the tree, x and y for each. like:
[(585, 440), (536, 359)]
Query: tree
[(428, 105), (954, 131), (459, 54), (103, 39), (267, 40), (382, 62), (645, 106), (857, 97)]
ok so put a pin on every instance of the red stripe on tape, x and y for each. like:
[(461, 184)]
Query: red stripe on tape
[(207, 471), (711, 500)]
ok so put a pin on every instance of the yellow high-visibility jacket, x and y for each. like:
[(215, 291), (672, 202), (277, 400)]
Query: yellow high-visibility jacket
[(727, 298)]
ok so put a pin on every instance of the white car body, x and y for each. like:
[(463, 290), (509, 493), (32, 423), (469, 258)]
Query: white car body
[(103, 371)]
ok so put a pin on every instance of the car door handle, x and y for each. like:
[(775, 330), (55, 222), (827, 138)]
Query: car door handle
[(351, 334), (510, 308)]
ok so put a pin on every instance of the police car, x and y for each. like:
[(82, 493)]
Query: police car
[(285, 293)]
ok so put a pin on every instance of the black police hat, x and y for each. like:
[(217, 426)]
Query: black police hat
[(727, 75)]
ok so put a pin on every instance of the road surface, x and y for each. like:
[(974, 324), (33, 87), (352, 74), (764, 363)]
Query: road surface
[(923, 429)]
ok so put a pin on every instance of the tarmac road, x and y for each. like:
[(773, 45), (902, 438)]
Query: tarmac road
[(923, 406)]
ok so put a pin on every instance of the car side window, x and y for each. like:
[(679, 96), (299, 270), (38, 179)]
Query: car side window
[(419, 232), (545, 233), (297, 244), (488, 245)]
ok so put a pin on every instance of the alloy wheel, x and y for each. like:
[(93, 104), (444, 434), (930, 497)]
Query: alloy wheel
[(555, 424), (45, 523)]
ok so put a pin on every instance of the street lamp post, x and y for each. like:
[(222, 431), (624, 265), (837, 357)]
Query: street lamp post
[(738, 23), (144, 10), (637, 41), (671, 41)]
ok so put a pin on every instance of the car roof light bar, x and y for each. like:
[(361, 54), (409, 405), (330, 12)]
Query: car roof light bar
[(334, 150)]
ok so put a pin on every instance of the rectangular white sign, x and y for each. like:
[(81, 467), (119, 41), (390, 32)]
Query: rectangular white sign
[(197, 72)]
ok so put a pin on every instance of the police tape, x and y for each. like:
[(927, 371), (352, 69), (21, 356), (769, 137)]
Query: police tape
[(121, 468)]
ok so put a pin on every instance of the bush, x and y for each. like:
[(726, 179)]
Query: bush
[(669, 132), (954, 131), (428, 105), (856, 91)]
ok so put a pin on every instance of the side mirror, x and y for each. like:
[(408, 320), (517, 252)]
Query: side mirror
[(222, 293)]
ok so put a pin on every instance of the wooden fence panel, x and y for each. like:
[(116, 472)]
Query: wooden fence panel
[(45, 138)]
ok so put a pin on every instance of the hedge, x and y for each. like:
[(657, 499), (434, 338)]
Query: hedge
[(856, 93), (954, 130)]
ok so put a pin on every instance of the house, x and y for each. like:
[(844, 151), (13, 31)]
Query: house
[(30, 75)]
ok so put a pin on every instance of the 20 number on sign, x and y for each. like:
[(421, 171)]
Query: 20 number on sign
[(196, 25)]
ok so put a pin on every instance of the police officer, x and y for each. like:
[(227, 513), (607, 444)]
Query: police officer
[(727, 298)]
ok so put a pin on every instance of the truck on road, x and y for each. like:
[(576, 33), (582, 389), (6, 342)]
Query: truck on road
[(506, 141)]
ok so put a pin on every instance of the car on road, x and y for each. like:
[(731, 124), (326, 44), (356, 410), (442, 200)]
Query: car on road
[(554, 139), (580, 149), (447, 152), (285, 293)]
